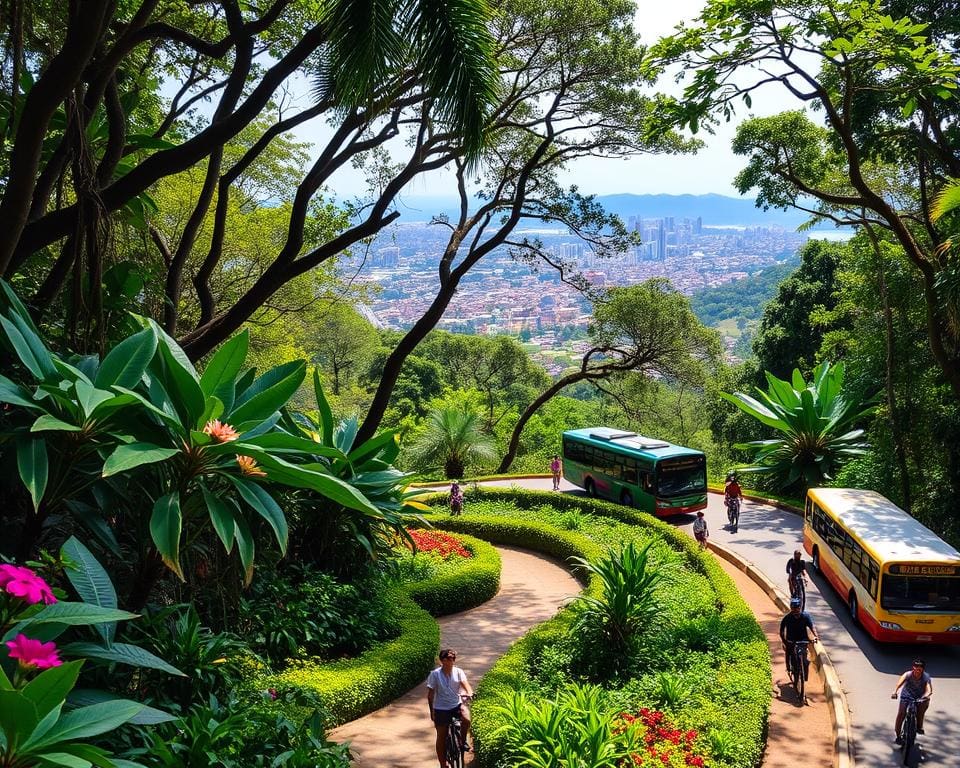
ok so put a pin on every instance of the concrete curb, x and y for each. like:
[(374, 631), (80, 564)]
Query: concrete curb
[(836, 699)]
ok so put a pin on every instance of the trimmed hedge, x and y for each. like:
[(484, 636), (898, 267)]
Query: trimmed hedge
[(474, 581), (738, 696), (351, 688)]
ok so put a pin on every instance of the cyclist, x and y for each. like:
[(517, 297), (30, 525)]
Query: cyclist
[(732, 494), (555, 469), (796, 569), (700, 532), (793, 627), (445, 686), (913, 686), (456, 498)]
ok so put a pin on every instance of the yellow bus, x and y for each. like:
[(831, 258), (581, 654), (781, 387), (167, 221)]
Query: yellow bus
[(900, 580)]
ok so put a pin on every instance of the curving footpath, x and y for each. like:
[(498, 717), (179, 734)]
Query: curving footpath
[(532, 588)]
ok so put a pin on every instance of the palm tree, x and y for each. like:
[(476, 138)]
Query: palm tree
[(816, 420), (453, 439), (369, 41)]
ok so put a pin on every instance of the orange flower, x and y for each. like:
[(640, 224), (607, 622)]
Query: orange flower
[(249, 467), (222, 433)]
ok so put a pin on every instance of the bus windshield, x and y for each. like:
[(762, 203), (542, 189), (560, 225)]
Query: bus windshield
[(920, 593), (679, 476)]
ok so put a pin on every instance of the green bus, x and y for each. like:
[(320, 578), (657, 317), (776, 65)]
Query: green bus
[(653, 475)]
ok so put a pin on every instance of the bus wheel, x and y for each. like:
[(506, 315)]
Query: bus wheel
[(816, 559), (852, 605), (626, 499), (590, 488)]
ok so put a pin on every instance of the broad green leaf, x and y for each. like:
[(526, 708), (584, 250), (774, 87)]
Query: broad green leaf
[(16, 306), (62, 758), (221, 372), (93, 755), (326, 414), (94, 522), (86, 722), (50, 687), (167, 418), (165, 526), (258, 498), (272, 398), (125, 363), (75, 614), (14, 394), (32, 465), (221, 517), (212, 410), (89, 397), (282, 442), (265, 381), (127, 457), (121, 653), (28, 347), (245, 548), (372, 447), (82, 697), (18, 716), (48, 423), (91, 581), (179, 379), (108, 408)]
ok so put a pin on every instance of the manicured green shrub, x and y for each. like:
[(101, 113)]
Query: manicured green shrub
[(468, 583), (351, 688), (715, 648)]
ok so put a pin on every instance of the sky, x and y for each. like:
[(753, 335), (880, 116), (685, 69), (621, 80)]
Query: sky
[(711, 170)]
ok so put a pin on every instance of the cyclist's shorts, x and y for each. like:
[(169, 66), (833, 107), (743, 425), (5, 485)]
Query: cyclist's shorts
[(442, 717)]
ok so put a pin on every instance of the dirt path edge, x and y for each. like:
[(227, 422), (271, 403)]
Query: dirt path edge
[(833, 691)]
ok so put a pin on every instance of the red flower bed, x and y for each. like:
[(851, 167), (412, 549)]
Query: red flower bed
[(442, 543), (664, 744)]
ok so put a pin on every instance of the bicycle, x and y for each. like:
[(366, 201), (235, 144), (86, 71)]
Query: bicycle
[(908, 731), (733, 512), (798, 663), (798, 588), (456, 746)]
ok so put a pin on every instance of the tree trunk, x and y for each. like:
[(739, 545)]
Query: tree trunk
[(546, 395)]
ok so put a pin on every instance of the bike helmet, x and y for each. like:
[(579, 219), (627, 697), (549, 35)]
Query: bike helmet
[(794, 602)]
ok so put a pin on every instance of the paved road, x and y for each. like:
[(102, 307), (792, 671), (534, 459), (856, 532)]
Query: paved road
[(867, 669)]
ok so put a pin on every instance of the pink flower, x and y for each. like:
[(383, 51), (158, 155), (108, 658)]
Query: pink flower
[(34, 653), (24, 584)]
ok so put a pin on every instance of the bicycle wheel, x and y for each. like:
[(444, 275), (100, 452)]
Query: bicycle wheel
[(454, 753), (909, 736), (801, 592), (798, 682)]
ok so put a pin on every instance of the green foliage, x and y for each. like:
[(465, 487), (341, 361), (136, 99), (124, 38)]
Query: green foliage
[(743, 298), (628, 603), (578, 727), (298, 612), (816, 420), (335, 536), (350, 688), (724, 659), (462, 584), (453, 440), (792, 330)]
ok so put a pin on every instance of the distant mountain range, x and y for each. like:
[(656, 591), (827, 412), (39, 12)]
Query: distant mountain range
[(714, 210)]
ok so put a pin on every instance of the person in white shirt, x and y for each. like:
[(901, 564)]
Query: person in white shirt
[(446, 685)]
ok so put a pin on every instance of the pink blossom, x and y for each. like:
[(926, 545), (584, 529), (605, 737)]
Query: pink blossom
[(34, 653), (24, 584)]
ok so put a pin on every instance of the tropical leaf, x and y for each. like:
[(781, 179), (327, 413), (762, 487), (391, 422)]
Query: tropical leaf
[(125, 364), (127, 457), (91, 581), (121, 653), (165, 526), (33, 467), (221, 372), (262, 400), (86, 722), (222, 518), (50, 688), (265, 506)]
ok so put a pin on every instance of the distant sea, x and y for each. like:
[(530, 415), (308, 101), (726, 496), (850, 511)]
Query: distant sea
[(713, 210)]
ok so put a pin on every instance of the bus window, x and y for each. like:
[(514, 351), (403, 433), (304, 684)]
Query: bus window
[(646, 480), (874, 578), (920, 593)]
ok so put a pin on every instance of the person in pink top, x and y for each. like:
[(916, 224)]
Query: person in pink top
[(555, 469)]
